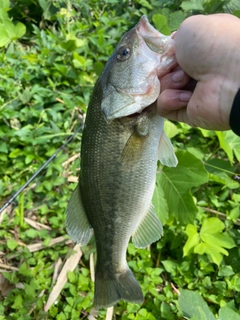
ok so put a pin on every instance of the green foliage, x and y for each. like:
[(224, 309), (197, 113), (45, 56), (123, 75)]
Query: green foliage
[(195, 308), (9, 30), (209, 240), (50, 60), (178, 191)]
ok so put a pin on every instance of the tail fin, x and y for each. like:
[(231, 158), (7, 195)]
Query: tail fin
[(108, 291)]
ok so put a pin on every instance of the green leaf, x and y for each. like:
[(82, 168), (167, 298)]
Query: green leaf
[(25, 270), (175, 19), (12, 244), (4, 39), (69, 45), (220, 240), (226, 271), (170, 266), (222, 172), (229, 314), (170, 129), (161, 23), (5, 4), (214, 252), (166, 311), (213, 242), (145, 3), (20, 30), (18, 302), (98, 67), (210, 233), (193, 305), (193, 239), (192, 5), (236, 13), (10, 29), (234, 142), (225, 145), (177, 183), (212, 225), (3, 147)]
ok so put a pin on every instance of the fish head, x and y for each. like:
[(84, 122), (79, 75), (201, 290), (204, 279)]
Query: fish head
[(130, 80)]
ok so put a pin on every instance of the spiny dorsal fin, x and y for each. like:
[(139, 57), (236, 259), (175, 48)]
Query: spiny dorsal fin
[(77, 224), (149, 230)]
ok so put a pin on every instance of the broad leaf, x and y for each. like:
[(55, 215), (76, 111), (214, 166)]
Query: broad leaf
[(5, 4), (222, 172), (229, 314), (20, 30), (236, 13), (4, 40), (193, 305), (220, 240), (160, 22), (192, 5), (177, 183), (234, 142), (212, 225), (170, 129), (212, 240), (225, 145), (214, 252), (193, 239), (175, 19), (210, 233)]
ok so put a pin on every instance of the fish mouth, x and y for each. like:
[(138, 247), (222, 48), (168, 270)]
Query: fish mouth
[(156, 41)]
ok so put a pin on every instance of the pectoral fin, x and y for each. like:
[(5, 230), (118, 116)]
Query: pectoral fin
[(133, 150), (149, 230), (166, 153), (77, 225), (136, 144)]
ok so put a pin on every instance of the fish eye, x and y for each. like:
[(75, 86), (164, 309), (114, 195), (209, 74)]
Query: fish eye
[(123, 53)]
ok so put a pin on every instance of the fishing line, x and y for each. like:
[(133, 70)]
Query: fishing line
[(40, 169)]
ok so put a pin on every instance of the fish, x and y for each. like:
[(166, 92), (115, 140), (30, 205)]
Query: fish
[(122, 141)]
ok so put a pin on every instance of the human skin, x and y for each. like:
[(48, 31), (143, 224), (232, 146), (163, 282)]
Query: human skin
[(207, 49)]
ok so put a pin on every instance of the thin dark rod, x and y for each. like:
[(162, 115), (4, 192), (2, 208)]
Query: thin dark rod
[(39, 170)]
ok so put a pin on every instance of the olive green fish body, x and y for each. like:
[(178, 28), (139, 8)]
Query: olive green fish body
[(118, 170), (122, 141)]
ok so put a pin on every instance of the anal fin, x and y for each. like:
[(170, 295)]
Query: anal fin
[(149, 230), (77, 224)]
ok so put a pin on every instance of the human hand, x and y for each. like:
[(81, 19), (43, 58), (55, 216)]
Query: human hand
[(207, 49)]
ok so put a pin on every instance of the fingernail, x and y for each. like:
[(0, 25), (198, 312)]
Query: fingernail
[(178, 76), (185, 96)]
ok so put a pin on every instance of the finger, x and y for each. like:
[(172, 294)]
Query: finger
[(174, 80), (180, 115), (171, 100)]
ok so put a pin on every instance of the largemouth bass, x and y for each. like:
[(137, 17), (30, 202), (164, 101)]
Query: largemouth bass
[(122, 141)]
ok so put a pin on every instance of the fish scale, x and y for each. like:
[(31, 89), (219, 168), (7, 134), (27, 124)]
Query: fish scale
[(121, 144)]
